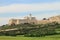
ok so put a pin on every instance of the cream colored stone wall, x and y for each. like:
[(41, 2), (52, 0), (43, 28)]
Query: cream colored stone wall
[(22, 21)]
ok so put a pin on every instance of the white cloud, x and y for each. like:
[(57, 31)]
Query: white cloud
[(30, 7), (3, 21), (45, 15)]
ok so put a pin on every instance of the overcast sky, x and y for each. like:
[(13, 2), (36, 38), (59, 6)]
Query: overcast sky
[(20, 8)]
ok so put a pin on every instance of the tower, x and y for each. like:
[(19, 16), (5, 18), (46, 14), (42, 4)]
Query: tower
[(30, 16)]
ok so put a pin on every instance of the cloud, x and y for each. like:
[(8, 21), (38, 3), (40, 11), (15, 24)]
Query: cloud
[(30, 7), (45, 15), (3, 21)]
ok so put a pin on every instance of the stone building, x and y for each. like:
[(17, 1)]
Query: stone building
[(28, 19)]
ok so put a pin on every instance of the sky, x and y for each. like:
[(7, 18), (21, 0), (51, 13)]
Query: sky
[(20, 8)]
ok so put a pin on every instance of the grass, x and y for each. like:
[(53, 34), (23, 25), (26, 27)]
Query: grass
[(53, 37)]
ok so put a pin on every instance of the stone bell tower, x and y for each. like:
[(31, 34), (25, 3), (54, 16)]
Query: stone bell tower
[(30, 16)]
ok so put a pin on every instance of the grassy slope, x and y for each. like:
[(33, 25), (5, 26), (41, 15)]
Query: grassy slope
[(54, 37)]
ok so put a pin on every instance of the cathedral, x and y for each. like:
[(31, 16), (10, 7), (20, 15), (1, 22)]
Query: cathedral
[(29, 19)]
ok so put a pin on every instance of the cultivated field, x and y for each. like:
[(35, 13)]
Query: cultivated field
[(54, 37)]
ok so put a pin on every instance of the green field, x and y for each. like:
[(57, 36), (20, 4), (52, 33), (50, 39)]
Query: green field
[(54, 37)]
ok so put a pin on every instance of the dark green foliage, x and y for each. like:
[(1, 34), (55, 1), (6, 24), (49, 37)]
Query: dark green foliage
[(40, 32), (30, 30)]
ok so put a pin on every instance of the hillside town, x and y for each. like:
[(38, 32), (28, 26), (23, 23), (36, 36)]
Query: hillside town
[(32, 20)]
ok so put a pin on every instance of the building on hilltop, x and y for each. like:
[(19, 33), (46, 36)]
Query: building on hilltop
[(28, 19), (32, 20)]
